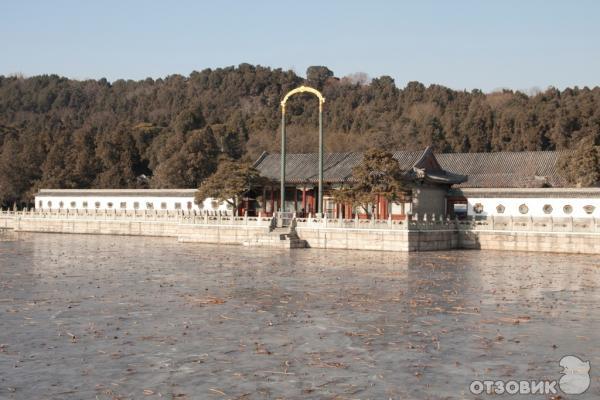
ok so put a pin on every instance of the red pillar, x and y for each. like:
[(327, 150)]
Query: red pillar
[(272, 200), (384, 208)]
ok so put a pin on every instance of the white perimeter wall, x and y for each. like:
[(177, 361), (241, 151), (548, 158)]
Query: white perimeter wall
[(129, 200), (535, 205)]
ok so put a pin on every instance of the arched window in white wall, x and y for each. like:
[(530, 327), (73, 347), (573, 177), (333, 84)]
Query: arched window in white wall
[(178, 206), (109, 204), (136, 205), (61, 204), (84, 204), (49, 204), (189, 205), (547, 209), (149, 205), (123, 205), (97, 204), (478, 208), (73, 204), (163, 205), (40, 204), (568, 209), (523, 209), (500, 209)]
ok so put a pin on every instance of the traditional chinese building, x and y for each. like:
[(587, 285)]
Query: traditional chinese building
[(427, 185), (525, 183), (459, 184)]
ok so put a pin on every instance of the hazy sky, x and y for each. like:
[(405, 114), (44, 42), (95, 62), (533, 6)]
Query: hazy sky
[(460, 44)]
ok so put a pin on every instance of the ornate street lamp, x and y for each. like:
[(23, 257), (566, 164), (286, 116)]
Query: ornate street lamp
[(302, 89)]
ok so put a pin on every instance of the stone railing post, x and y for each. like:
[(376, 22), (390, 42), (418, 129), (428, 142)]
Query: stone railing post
[(389, 221), (356, 220), (571, 224)]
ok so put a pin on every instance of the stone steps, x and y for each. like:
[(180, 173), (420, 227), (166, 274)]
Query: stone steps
[(281, 238)]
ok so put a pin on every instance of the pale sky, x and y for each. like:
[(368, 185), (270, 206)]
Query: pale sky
[(460, 44)]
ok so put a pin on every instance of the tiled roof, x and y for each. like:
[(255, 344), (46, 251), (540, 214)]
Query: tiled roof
[(525, 169), (337, 167), (118, 192), (526, 192)]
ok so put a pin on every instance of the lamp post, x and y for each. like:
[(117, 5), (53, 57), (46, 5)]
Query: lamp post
[(302, 89)]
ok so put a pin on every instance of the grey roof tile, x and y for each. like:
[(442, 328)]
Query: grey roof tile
[(337, 167), (524, 169)]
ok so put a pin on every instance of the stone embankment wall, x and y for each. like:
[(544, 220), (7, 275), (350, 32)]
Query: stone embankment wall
[(7, 220), (557, 235), (186, 228), (531, 241), (383, 235), (548, 235)]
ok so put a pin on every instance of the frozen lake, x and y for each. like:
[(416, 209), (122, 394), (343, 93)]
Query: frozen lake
[(86, 317)]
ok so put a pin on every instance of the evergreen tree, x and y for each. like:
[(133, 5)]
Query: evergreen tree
[(378, 175), (67, 133), (231, 181), (582, 168)]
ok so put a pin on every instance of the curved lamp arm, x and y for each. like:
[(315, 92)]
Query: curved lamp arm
[(303, 89)]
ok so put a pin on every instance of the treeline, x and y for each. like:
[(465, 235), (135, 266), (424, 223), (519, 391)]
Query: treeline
[(61, 133)]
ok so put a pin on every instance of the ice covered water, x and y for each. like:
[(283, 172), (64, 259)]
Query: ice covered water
[(131, 317)]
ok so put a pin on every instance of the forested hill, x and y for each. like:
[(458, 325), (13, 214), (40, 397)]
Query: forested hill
[(56, 132)]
